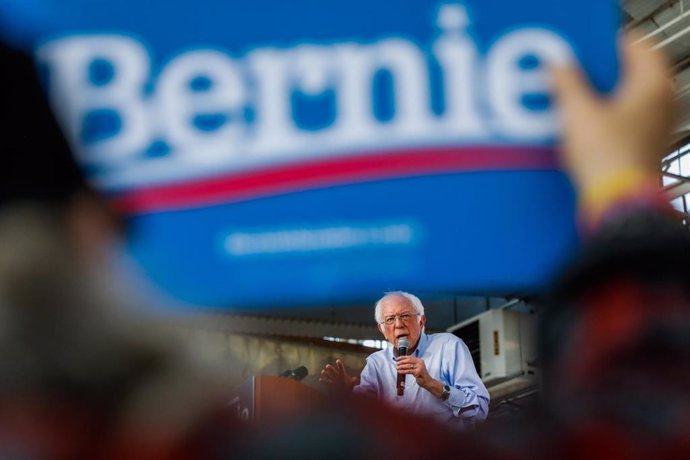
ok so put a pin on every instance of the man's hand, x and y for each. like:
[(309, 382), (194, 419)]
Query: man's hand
[(417, 368), (338, 377), (622, 134)]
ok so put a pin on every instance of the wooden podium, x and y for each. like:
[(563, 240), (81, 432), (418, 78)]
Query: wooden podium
[(267, 399)]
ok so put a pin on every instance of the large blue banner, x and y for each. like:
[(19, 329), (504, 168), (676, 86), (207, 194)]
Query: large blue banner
[(271, 152)]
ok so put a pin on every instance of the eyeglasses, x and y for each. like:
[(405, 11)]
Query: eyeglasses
[(404, 317)]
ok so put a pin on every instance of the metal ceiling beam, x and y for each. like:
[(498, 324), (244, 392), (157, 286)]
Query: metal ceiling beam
[(656, 11), (284, 327), (665, 26), (672, 38), (678, 189)]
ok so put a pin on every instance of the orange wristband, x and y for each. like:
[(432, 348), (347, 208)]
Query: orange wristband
[(621, 186)]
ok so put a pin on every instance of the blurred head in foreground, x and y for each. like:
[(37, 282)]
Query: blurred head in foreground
[(615, 338), (78, 377)]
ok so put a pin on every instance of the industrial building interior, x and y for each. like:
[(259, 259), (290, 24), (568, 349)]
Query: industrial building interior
[(272, 341)]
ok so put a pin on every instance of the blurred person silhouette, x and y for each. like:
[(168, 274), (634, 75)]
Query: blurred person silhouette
[(79, 376), (445, 384), (614, 336)]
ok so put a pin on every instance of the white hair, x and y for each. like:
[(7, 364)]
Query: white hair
[(414, 301)]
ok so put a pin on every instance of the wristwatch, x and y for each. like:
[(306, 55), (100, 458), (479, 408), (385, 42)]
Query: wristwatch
[(446, 392)]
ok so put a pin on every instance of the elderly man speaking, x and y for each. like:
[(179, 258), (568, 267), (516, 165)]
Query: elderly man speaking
[(445, 384)]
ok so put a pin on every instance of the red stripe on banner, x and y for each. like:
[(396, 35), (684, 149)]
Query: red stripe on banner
[(328, 172)]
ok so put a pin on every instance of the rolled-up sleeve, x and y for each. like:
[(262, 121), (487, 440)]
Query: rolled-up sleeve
[(469, 398)]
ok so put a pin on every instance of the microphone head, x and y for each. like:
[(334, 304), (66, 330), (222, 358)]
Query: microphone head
[(300, 373), (403, 343), (287, 373)]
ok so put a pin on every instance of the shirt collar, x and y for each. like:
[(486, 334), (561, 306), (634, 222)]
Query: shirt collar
[(421, 347)]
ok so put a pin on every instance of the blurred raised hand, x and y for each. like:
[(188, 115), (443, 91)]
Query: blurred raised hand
[(613, 144)]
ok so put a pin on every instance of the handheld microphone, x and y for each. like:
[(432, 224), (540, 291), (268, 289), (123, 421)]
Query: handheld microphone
[(295, 374), (403, 345)]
